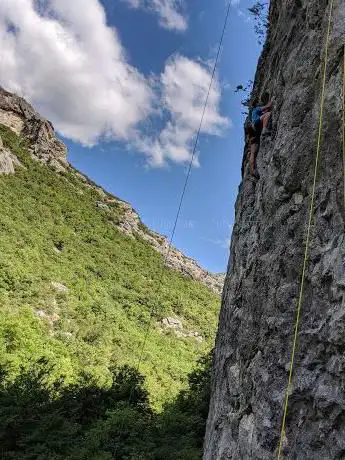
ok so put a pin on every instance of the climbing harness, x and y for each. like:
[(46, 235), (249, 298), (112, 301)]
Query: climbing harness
[(309, 226)]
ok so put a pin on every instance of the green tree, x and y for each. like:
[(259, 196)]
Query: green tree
[(83, 422), (259, 11)]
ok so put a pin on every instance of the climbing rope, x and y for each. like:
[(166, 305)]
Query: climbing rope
[(309, 226), (343, 133), (189, 170)]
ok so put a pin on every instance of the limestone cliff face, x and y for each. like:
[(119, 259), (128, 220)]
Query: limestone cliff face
[(44, 146), (22, 118), (253, 347)]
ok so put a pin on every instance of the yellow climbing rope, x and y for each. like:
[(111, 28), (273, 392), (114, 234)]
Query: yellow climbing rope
[(306, 252), (344, 125)]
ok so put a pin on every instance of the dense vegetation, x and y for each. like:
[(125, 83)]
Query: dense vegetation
[(86, 422), (68, 356)]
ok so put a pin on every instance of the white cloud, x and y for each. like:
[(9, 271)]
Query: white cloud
[(71, 66), (184, 87), (241, 14), (169, 11), (222, 243)]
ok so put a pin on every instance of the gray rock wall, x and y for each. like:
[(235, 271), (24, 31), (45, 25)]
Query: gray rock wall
[(254, 341), (22, 118), (8, 160)]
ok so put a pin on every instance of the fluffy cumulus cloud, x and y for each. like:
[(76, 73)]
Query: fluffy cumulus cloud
[(62, 57), (169, 12), (184, 87)]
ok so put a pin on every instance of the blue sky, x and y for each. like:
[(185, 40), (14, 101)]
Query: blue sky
[(156, 44)]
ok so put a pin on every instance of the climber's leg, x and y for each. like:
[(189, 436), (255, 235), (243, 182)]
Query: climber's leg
[(253, 132), (254, 148), (265, 119)]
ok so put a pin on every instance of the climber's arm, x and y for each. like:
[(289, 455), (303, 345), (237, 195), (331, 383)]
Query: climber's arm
[(267, 107)]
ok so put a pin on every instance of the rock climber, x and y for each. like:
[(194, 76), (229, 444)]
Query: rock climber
[(259, 126), (261, 114)]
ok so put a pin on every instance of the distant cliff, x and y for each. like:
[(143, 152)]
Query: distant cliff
[(44, 146), (20, 116), (256, 325)]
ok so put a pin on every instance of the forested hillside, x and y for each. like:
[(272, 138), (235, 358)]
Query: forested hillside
[(75, 296)]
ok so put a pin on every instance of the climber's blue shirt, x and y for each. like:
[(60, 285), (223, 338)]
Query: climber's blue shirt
[(256, 114)]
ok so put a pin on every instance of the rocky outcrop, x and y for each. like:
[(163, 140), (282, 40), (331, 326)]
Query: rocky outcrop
[(8, 160), (61, 288), (21, 117), (256, 325), (6, 163), (132, 225), (176, 326)]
